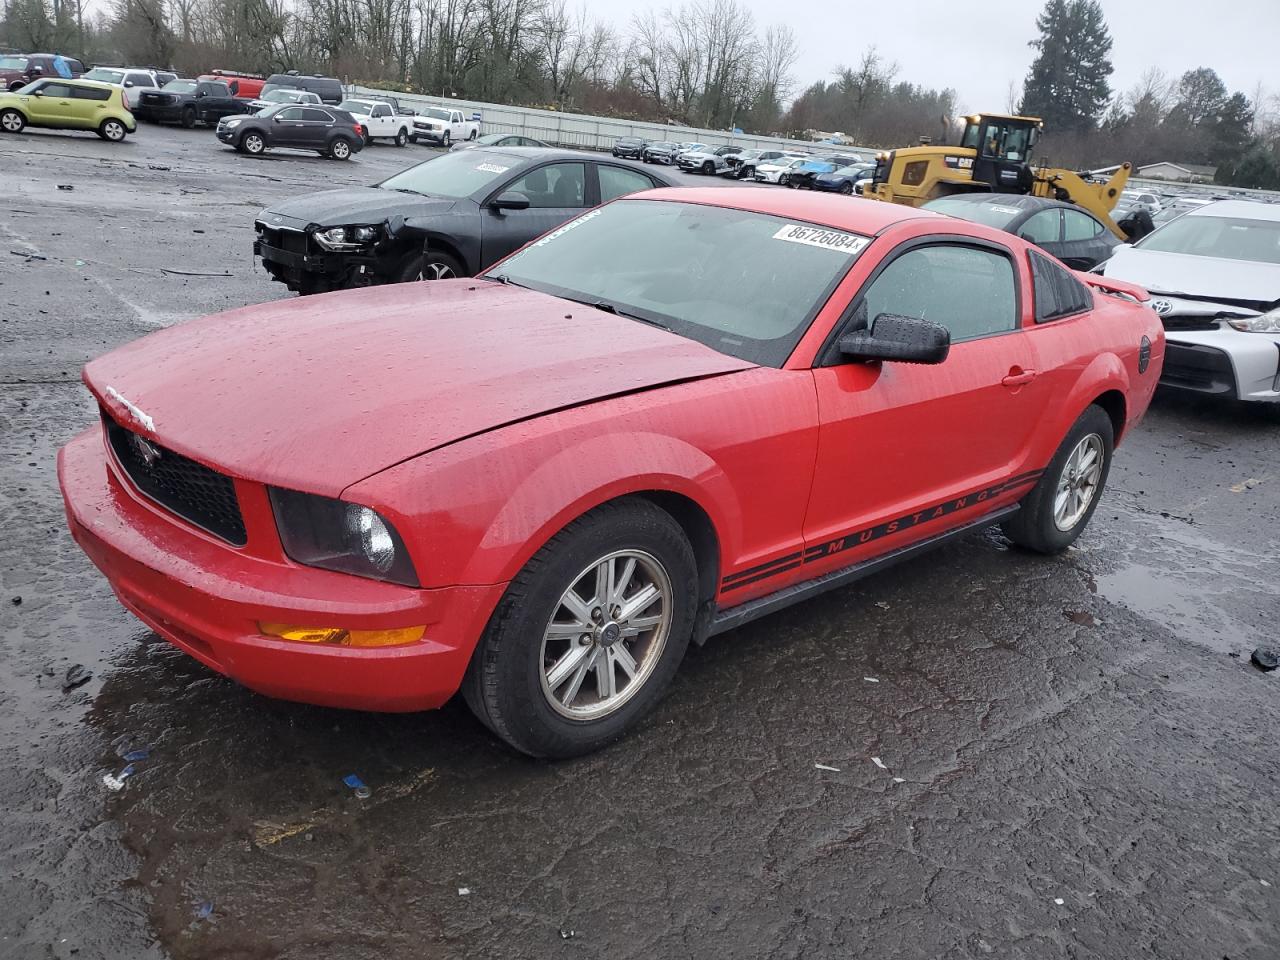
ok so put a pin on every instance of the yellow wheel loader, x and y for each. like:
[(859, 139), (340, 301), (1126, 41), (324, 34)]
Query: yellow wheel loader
[(994, 156)]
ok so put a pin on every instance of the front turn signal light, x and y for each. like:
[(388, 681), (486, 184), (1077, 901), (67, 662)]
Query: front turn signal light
[(343, 637)]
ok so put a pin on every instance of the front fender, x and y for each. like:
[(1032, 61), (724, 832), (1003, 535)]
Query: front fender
[(583, 476)]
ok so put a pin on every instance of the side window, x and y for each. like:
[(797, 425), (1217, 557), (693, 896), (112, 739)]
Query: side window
[(291, 113), (1044, 227), (138, 79), (380, 111), (57, 90), (1079, 226), (617, 182), (315, 116), (233, 88), (1058, 294), (970, 291), (90, 93), (555, 185)]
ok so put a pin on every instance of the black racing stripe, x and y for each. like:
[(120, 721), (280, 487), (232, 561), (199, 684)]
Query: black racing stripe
[(751, 571), (763, 576), (885, 528)]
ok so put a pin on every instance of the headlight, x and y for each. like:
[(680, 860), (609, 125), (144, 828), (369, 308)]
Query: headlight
[(1269, 322), (345, 238), (337, 535), (232, 121)]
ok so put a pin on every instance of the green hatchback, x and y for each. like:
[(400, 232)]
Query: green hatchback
[(68, 105)]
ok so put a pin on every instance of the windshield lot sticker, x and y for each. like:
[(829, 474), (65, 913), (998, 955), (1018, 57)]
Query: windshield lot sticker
[(817, 237), (492, 168), (999, 209), (572, 224)]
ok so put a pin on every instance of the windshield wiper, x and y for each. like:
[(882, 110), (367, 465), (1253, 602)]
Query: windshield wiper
[(617, 311), (505, 280)]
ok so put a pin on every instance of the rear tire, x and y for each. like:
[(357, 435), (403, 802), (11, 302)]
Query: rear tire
[(340, 149), (402, 137), (11, 121), (474, 134), (112, 130), (511, 682), (1053, 515)]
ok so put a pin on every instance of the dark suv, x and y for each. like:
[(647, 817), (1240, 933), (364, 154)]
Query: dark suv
[(19, 70), (328, 89), (328, 131), (189, 101)]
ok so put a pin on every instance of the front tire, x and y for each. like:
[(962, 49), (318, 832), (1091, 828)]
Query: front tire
[(1058, 509), (624, 578), (846, 188), (431, 265), (112, 131), (253, 144), (445, 142), (11, 121), (188, 118), (708, 168)]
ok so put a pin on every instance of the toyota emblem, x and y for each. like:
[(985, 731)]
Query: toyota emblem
[(1162, 307)]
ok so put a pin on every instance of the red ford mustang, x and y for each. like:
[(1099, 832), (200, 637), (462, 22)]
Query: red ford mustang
[(662, 420)]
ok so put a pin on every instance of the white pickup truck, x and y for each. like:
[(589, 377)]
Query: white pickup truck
[(443, 126), (380, 120)]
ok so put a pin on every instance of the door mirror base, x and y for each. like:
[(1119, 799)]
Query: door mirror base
[(900, 339)]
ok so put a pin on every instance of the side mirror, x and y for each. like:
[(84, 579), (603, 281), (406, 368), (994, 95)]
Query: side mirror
[(128, 83), (511, 200), (903, 339), (37, 93)]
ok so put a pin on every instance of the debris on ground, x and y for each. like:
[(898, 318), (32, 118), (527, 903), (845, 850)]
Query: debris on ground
[(879, 763), (16, 601), (156, 166), (28, 254), (66, 186), (135, 755), (1081, 617), (204, 910), (823, 766), (882, 605), (1059, 901), (77, 676), (358, 785), (1265, 883), (871, 679), (188, 273), (1244, 485), (115, 781), (464, 891), (899, 780), (1265, 658), (566, 934)]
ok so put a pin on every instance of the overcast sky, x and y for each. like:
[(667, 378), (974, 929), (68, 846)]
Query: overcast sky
[(978, 46)]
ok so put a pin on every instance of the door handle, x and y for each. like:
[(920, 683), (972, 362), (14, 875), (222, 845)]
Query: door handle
[(1018, 377)]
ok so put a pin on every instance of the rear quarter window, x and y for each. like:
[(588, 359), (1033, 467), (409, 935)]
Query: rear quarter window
[(1058, 294), (90, 93)]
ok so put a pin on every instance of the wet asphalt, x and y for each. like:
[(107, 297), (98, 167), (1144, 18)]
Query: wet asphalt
[(1075, 757)]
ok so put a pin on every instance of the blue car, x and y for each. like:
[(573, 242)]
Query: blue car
[(803, 176), (845, 180)]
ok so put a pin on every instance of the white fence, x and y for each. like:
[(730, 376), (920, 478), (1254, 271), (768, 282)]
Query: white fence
[(597, 133)]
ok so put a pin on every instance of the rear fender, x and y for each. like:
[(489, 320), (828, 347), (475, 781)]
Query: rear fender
[(1105, 372)]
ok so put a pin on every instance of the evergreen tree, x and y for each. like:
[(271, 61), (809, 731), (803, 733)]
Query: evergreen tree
[(1067, 86)]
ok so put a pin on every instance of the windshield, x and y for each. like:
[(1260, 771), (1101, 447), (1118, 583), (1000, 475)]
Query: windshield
[(13, 63), (270, 88), (1230, 238), (106, 76), (746, 284), (284, 96), (991, 212), (265, 111), (451, 175), (356, 106), (854, 171), (435, 113), (179, 86)]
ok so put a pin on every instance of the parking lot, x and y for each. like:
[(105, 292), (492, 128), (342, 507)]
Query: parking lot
[(980, 753)]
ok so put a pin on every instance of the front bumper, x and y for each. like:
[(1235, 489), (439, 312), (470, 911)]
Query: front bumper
[(291, 266), (206, 598), (626, 153), (1223, 362), (431, 136)]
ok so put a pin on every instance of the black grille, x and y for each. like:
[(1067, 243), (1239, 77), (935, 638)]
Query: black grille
[(192, 491), (293, 241)]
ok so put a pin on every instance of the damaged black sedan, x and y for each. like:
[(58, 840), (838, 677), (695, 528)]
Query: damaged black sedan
[(450, 216)]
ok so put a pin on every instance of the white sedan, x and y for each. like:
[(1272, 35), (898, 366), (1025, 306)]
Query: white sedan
[(1214, 278), (775, 170)]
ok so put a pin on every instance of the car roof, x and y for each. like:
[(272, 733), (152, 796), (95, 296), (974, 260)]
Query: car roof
[(867, 217), (1012, 200), (1244, 209)]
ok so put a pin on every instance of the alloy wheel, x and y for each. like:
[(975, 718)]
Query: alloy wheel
[(435, 270), (11, 121), (606, 635), (340, 150), (1078, 482)]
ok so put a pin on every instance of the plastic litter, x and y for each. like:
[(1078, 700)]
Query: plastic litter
[(1244, 485), (899, 780), (882, 604), (79, 263), (464, 891), (77, 676), (1265, 659), (133, 755), (871, 679), (355, 783), (1265, 883), (16, 601), (66, 186), (115, 782), (1059, 901), (567, 934), (1081, 617), (204, 910), (823, 766), (879, 763)]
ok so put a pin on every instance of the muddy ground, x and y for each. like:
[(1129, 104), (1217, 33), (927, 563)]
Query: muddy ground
[(1080, 760)]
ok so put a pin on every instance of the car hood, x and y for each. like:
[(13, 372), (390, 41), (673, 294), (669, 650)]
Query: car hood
[(352, 205), (1191, 276), (318, 393)]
